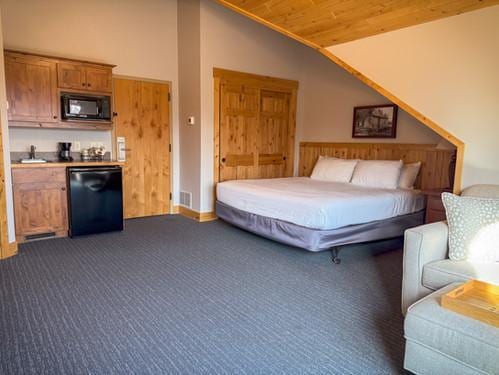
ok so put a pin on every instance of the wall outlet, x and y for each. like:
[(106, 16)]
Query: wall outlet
[(76, 146)]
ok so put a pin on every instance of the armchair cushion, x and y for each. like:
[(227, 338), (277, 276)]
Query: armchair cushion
[(438, 274), (473, 227)]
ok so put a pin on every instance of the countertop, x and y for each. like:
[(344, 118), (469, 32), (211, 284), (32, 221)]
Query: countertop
[(57, 164)]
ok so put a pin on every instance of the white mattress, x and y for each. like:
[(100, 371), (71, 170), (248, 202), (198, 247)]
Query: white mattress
[(318, 204)]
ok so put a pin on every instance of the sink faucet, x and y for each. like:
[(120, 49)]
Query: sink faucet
[(32, 152)]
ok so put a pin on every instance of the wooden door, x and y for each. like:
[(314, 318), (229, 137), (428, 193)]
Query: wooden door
[(31, 84), (238, 132), (71, 76), (273, 139), (99, 78), (144, 120)]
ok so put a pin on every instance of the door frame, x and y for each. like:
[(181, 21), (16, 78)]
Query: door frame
[(171, 208), (263, 82)]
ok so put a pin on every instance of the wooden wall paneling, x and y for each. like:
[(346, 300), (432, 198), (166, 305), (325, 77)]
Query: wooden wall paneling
[(435, 162), (144, 120)]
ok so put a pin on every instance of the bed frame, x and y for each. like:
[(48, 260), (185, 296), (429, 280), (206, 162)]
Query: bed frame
[(436, 172)]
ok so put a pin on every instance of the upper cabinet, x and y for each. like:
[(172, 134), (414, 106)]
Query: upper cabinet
[(34, 84), (84, 77), (31, 84)]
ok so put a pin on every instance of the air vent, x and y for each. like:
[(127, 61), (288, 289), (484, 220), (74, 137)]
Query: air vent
[(186, 199)]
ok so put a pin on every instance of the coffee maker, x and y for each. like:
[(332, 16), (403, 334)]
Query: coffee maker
[(65, 151)]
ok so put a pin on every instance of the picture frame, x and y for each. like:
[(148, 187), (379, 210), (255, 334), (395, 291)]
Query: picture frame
[(375, 121)]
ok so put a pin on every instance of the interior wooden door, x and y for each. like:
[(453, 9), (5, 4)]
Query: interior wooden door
[(273, 134), (143, 119), (255, 116), (239, 116)]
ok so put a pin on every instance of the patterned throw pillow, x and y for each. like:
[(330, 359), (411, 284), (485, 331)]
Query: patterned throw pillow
[(473, 228)]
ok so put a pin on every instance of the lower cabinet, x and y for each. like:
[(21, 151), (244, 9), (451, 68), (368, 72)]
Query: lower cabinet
[(40, 202)]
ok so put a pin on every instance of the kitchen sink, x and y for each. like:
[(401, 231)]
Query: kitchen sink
[(33, 161)]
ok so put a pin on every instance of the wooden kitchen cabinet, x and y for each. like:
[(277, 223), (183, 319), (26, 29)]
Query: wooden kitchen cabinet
[(78, 76), (31, 84), (40, 202)]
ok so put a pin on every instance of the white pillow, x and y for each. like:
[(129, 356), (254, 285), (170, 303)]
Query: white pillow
[(383, 174), (408, 175), (333, 169)]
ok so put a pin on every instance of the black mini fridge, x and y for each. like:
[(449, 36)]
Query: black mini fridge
[(95, 200)]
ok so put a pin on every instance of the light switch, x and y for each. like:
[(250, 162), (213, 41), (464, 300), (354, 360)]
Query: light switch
[(191, 120)]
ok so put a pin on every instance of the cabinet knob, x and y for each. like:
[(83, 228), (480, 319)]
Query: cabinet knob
[(55, 117), (223, 160), (89, 84), (83, 84), (63, 189)]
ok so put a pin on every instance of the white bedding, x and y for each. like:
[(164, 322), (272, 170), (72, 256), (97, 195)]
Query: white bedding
[(318, 204)]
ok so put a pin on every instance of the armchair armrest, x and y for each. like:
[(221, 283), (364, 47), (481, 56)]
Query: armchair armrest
[(422, 245)]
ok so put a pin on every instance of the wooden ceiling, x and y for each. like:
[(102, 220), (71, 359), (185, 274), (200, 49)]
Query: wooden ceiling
[(324, 23)]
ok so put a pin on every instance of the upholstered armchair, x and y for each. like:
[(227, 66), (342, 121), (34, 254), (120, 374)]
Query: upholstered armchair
[(426, 266)]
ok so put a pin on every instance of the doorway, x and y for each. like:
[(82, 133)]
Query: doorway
[(143, 119)]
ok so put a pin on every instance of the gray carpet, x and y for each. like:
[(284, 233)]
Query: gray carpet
[(170, 295)]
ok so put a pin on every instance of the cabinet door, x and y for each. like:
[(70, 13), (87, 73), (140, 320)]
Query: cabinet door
[(31, 88), (40, 208), (99, 79), (71, 76)]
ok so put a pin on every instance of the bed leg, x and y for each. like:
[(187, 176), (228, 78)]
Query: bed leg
[(334, 255)]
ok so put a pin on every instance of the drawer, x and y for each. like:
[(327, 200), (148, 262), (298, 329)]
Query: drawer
[(32, 175), (435, 203)]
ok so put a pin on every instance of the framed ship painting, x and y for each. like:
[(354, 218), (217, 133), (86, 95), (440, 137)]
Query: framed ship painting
[(375, 121)]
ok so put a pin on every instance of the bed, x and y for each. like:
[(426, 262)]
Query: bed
[(318, 215), (322, 215)]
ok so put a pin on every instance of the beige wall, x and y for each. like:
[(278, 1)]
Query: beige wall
[(447, 70), (139, 36), (326, 96), (189, 98), (6, 148)]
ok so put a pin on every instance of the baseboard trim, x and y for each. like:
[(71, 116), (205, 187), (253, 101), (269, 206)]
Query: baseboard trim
[(12, 249), (198, 216), (175, 210)]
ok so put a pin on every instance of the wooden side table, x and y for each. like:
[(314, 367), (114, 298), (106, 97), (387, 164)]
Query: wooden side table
[(435, 210)]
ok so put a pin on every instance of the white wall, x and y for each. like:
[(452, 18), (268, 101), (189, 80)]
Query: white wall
[(6, 148), (449, 71), (326, 95), (139, 36)]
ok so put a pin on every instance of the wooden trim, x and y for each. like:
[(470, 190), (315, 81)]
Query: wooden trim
[(216, 137), (272, 83), (434, 173), (175, 210), (198, 216), (132, 78), (58, 58), (357, 74)]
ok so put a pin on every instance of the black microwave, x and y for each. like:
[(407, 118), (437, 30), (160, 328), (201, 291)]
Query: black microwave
[(85, 107)]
